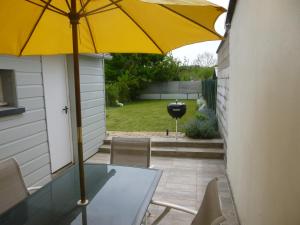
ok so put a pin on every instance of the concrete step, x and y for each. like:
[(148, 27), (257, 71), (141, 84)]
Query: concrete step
[(181, 142), (210, 153), (105, 148)]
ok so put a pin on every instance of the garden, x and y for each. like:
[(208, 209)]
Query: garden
[(152, 115), (128, 74), (148, 115)]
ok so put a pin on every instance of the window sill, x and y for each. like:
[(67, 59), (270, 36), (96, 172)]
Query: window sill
[(8, 110)]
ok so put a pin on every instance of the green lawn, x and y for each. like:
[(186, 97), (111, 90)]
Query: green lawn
[(149, 115)]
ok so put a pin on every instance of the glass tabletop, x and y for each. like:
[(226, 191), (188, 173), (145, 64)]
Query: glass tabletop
[(117, 195)]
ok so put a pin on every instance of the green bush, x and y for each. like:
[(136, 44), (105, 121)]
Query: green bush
[(127, 86), (111, 94), (121, 90), (123, 86), (187, 73), (204, 125), (134, 72)]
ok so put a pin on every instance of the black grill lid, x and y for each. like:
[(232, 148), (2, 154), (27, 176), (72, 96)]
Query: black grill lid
[(176, 109)]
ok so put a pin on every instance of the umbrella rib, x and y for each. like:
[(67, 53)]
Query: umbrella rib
[(102, 7), (54, 7), (83, 6), (189, 19), (97, 12), (89, 27), (68, 4), (138, 25), (42, 6), (34, 27)]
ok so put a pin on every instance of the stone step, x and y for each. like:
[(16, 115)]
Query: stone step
[(181, 142), (209, 153)]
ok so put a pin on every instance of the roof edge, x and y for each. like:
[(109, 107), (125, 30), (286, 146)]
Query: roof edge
[(230, 12), (222, 42), (99, 56)]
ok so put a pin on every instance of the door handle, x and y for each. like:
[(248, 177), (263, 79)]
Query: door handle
[(66, 109)]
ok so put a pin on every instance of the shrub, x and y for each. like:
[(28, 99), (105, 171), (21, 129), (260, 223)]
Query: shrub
[(204, 125), (120, 90), (134, 72), (127, 84), (111, 94), (195, 73)]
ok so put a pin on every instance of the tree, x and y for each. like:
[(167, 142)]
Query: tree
[(128, 74), (150, 67), (205, 59), (193, 72)]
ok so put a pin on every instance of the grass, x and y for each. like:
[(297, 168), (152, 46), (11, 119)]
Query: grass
[(149, 115)]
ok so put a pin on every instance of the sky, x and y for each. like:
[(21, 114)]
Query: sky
[(190, 52)]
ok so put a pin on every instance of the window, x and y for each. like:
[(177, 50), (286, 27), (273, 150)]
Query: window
[(8, 94)]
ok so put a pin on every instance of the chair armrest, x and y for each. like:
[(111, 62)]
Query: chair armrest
[(173, 206), (168, 207), (31, 189)]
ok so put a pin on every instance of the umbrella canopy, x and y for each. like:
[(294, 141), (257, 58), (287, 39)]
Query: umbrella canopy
[(46, 27), (31, 27)]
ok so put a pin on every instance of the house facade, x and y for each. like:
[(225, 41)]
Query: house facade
[(222, 72), (262, 109), (38, 126)]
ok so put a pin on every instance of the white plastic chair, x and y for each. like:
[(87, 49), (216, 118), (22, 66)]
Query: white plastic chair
[(12, 186), (209, 212), (131, 151)]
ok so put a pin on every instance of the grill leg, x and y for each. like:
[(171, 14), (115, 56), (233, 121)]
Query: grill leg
[(176, 129)]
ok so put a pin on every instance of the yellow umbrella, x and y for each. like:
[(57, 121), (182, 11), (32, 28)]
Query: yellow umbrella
[(45, 27)]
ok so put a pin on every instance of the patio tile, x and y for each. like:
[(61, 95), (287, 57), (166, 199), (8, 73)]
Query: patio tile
[(173, 218), (163, 193), (190, 180), (181, 187), (183, 182)]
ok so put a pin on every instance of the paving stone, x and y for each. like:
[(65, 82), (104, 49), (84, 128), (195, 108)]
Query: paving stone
[(184, 182)]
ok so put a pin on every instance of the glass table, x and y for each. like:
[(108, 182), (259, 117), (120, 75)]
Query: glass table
[(117, 195)]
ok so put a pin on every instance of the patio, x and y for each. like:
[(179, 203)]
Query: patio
[(183, 182)]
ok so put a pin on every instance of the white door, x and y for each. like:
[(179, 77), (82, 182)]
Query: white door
[(57, 111)]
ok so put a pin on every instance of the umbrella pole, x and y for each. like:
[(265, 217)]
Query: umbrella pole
[(74, 20)]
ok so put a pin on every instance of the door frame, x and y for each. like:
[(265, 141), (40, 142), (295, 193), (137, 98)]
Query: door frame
[(69, 121)]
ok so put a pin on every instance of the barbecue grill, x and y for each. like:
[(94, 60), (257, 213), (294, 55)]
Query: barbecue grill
[(176, 110)]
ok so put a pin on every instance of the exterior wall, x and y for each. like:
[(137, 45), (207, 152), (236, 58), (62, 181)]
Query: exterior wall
[(24, 136), (92, 103), (264, 123), (223, 90)]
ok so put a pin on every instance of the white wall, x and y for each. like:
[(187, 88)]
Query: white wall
[(24, 136), (223, 90), (264, 112), (92, 103)]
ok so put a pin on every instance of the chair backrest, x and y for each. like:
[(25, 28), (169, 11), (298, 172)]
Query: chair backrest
[(210, 210), (12, 186), (130, 151)]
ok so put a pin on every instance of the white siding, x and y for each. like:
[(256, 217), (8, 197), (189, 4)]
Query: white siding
[(24, 136), (223, 89), (93, 105)]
